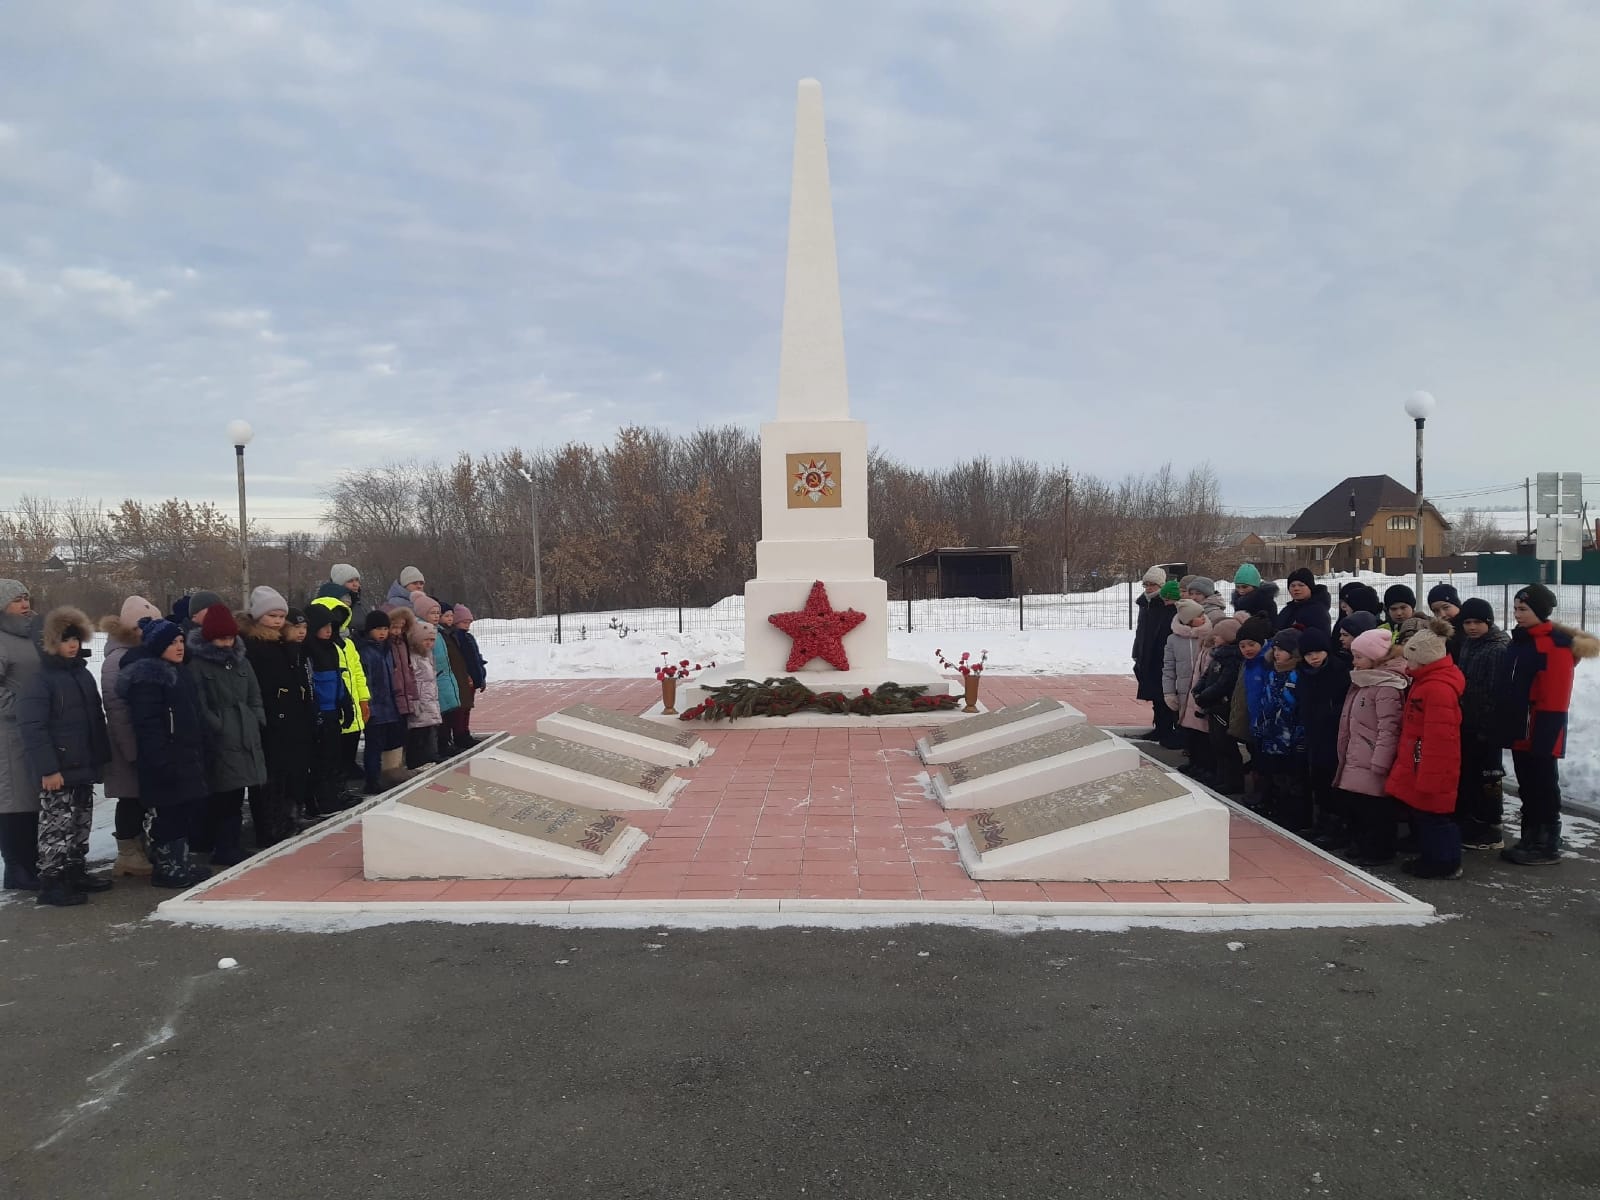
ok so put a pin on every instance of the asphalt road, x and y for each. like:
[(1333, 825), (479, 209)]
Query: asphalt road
[(1460, 1060)]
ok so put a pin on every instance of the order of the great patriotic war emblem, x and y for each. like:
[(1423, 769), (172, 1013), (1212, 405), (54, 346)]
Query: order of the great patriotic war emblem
[(813, 481)]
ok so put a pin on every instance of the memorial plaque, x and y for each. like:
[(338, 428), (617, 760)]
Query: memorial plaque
[(457, 794), (997, 719), (813, 480), (610, 718), (602, 764), (1070, 807), (1018, 754)]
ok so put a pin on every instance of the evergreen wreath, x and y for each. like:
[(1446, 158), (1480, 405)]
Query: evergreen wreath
[(782, 697)]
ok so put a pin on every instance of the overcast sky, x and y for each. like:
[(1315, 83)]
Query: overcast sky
[(1108, 234)]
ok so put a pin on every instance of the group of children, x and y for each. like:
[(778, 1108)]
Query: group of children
[(1345, 730), (201, 708)]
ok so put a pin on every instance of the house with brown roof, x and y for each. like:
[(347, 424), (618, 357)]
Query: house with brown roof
[(1367, 521)]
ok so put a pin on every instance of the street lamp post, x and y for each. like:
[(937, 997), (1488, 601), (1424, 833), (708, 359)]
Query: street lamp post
[(240, 433), (533, 509), (1419, 407)]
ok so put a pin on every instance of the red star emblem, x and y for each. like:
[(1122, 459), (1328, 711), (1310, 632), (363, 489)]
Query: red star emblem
[(818, 630)]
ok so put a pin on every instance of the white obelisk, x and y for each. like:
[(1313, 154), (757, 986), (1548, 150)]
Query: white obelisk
[(814, 460)]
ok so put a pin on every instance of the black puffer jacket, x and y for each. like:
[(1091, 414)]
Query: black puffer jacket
[(164, 707), (1322, 693), (1262, 602), (1479, 661), (1314, 612), (63, 724), (1213, 695)]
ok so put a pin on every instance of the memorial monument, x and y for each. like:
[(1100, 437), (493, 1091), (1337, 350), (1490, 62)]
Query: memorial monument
[(816, 609)]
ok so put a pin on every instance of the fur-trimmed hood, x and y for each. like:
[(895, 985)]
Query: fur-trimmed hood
[(1584, 644), (253, 629), (407, 619), (57, 624), (118, 633)]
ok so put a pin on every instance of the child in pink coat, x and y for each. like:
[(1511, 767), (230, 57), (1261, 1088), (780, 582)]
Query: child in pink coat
[(1369, 734)]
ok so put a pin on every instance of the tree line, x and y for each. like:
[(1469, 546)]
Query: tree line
[(652, 518)]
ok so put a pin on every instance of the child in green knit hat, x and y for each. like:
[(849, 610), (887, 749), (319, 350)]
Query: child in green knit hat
[(1170, 592)]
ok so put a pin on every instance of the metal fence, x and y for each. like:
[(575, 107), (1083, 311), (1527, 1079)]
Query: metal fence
[(1111, 608)]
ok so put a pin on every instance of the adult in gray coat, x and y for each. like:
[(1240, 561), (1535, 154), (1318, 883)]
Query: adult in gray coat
[(122, 774), (19, 788), (233, 716)]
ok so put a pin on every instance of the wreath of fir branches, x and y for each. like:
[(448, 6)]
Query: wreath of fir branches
[(785, 696)]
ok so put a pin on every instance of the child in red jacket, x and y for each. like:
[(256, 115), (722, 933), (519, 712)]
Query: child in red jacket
[(1532, 693), (1427, 763)]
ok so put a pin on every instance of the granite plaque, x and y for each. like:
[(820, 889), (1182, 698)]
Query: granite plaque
[(1019, 754), (610, 718), (998, 719), (457, 794), (1070, 807), (602, 764)]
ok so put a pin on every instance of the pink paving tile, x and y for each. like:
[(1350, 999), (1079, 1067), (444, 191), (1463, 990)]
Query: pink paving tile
[(475, 889), (784, 812)]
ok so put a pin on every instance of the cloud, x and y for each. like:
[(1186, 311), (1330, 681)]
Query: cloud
[(1125, 233)]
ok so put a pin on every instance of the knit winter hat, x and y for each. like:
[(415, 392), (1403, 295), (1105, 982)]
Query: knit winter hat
[(1203, 585), (1399, 594), (157, 634), (202, 600), (1374, 644), (1539, 598), (376, 619), (1429, 644), (1359, 622), (1409, 628), (1170, 590), (10, 589), (1287, 640), (410, 575), (1445, 592), (180, 609), (317, 617), (1247, 575), (463, 615), (265, 600), (423, 631), (218, 623), (1360, 597), (136, 609), (1477, 609), (1314, 641), (343, 573), (1154, 575), (425, 606), (296, 617), (1188, 610), (1257, 630), (1303, 575), (1226, 631)]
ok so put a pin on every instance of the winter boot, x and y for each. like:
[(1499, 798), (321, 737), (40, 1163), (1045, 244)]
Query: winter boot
[(172, 867), (19, 847), (131, 858), (393, 770), (1424, 868), (55, 890), (1540, 847), (79, 878), (1475, 835)]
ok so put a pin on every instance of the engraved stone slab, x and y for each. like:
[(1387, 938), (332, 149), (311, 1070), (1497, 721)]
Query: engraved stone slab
[(1066, 808), (459, 824), (1065, 756), (666, 745), (569, 771), (1141, 825), (1003, 758), (1012, 714), (457, 794)]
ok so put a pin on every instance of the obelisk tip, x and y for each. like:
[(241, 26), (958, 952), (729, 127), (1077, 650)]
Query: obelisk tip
[(809, 84)]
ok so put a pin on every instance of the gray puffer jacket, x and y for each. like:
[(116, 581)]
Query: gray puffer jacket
[(19, 663)]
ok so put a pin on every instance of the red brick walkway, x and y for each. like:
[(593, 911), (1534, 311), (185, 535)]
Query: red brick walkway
[(804, 814)]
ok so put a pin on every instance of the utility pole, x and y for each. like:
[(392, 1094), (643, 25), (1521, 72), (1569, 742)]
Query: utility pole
[(1355, 538), (1527, 501), (1066, 532), (533, 510)]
